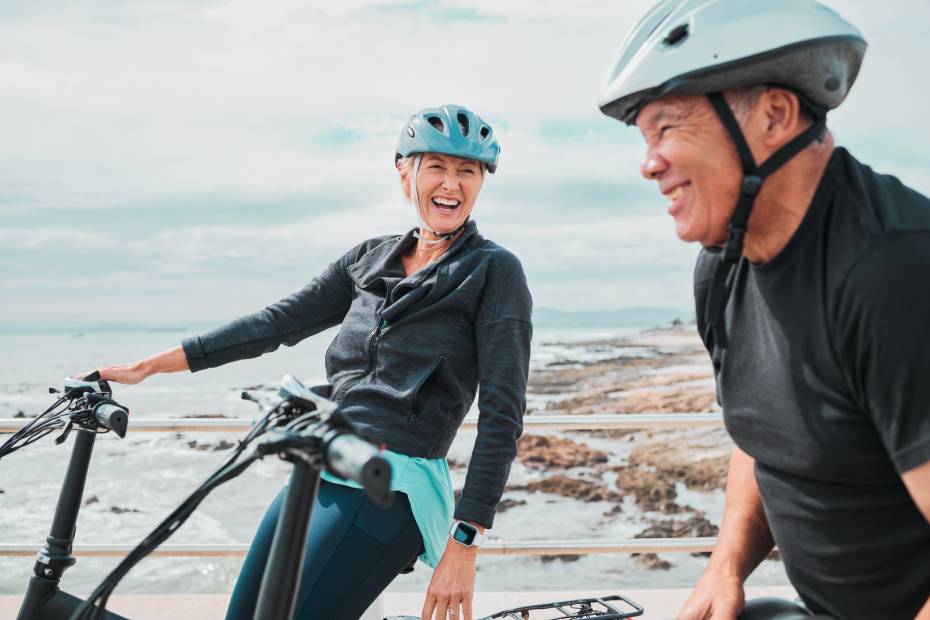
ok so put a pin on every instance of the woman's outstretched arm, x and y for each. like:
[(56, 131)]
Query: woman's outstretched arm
[(172, 360)]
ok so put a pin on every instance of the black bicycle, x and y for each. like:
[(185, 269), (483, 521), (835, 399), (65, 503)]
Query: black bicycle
[(302, 426), (86, 407)]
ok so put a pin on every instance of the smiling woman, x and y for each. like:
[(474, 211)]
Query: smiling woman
[(425, 319), (447, 187)]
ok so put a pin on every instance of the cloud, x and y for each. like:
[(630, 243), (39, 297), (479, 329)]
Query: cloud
[(173, 158)]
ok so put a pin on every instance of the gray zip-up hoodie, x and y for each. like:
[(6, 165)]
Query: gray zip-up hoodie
[(411, 351)]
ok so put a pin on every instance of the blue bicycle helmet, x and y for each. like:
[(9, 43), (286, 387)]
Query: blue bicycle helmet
[(450, 130)]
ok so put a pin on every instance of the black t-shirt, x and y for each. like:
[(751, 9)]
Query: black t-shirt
[(826, 384)]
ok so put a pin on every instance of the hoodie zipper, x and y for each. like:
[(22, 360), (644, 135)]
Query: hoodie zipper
[(371, 342)]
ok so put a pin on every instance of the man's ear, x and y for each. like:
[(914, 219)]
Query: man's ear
[(781, 110)]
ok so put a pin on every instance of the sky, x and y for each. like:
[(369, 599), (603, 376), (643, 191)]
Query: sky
[(182, 162)]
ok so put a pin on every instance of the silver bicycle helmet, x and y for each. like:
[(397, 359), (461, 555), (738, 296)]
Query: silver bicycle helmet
[(701, 46), (710, 46)]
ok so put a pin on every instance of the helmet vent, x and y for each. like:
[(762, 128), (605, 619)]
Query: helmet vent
[(463, 123), (437, 123), (485, 132), (676, 35)]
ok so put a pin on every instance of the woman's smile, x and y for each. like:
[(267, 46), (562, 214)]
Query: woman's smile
[(445, 205)]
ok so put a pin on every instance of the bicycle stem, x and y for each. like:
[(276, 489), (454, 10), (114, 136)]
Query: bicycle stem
[(277, 595)]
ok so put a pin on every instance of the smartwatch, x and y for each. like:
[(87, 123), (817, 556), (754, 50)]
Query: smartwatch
[(465, 534)]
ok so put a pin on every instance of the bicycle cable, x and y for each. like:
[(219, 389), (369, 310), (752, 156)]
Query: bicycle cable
[(94, 607)]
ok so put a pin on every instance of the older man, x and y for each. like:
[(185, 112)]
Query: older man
[(812, 295)]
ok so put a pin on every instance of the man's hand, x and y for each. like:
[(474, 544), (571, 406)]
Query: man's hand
[(714, 598), (917, 481), (744, 540), (453, 585)]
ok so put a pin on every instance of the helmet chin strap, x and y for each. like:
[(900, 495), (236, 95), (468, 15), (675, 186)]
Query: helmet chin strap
[(421, 220), (754, 175)]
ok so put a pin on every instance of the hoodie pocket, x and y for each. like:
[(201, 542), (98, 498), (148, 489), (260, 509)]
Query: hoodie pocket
[(421, 390)]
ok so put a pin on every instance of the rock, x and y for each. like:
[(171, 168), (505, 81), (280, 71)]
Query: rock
[(564, 558), (611, 433), (221, 445), (20, 414), (119, 511), (651, 490), (93, 499), (651, 561), (507, 504), (675, 461), (700, 400), (544, 451), (695, 527), (614, 511), (583, 490)]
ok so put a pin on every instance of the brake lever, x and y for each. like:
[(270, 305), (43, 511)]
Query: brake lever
[(261, 400), (64, 435)]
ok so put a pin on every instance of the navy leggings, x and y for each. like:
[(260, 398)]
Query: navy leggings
[(354, 550)]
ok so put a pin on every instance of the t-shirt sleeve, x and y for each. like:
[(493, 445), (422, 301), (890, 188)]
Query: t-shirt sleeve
[(707, 261), (883, 342)]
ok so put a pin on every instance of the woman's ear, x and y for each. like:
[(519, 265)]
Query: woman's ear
[(404, 172)]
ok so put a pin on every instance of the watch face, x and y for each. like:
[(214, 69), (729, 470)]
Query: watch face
[(464, 534)]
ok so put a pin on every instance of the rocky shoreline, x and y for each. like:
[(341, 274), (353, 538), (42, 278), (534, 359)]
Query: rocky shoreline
[(664, 370)]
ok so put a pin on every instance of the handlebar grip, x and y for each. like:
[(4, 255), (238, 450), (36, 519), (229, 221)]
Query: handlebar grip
[(353, 458), (112, 417)]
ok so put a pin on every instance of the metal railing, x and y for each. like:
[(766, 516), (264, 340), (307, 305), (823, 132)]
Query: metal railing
[(539, 422), (493, 547)]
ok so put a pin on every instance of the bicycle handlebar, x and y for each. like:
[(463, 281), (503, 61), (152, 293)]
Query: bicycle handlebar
[(354, 458), (112, 416), (91, 384)]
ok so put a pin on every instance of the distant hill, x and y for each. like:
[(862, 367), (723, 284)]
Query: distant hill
[(641, 316), (74, 328)]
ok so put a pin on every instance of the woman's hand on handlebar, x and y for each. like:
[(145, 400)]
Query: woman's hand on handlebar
[(127, 374), (172, 360)]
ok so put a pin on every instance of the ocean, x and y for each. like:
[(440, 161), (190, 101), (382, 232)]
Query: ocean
[(134, 482)]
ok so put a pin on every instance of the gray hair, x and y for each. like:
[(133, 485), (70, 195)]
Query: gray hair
[(743, 99)]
